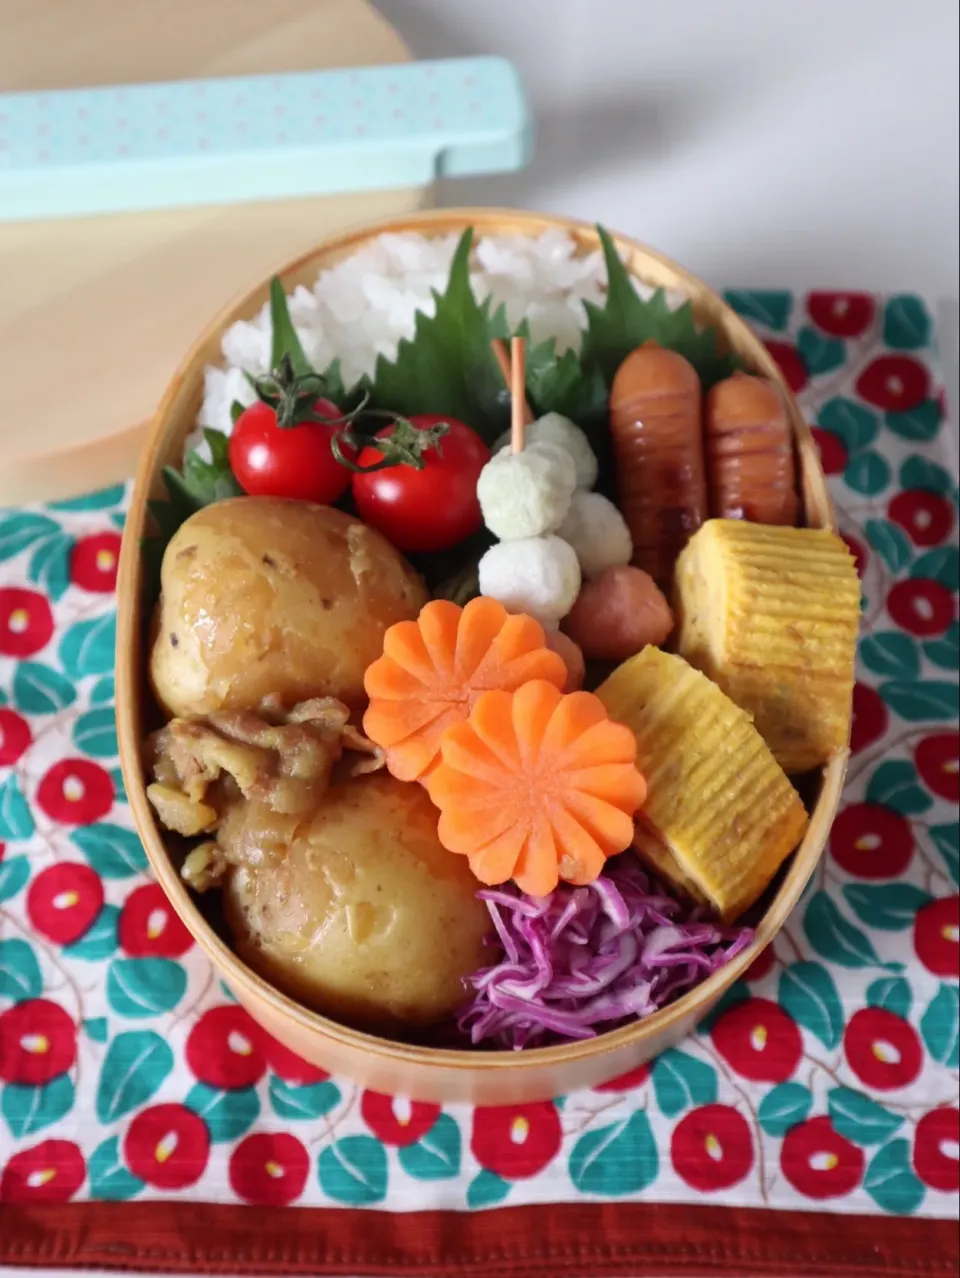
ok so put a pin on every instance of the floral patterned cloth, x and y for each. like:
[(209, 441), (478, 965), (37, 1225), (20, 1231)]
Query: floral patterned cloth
[(828, 1078)]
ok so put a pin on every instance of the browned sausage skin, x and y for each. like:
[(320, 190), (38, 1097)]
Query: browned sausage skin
[(749, 450), (655, 426)]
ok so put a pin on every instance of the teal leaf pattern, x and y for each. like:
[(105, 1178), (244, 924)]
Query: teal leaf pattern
[(837, 940), (940, 1026), (919, 700), (945, 652), (809, 994), (304, 1101), (28, 1108), (486, 1190), (354, 1171), (891, 653), (906, 323), (95, 733), (616, 1160), (20, 976), (101, 500), (859, 1118), (890, 906), (228, 1114), (891, 994), (37, 689), (87, 647), (856, 425), (102, 691), (16, 819), (896, 784), (110, 1181), (920, 424), (96, 1028), (139, 987), (769, 307), (22, 530), (868, 473), (941, 565), (946, 839), (114, 851), (100, 940), (920, 472), (14, 872), (890, 1180), (50, 566), (134, 1069), (820, 354), (681, 1081), (436, 1155), (890, 542), (784, 1107)]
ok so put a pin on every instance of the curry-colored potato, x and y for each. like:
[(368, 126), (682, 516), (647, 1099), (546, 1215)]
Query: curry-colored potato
[(268, 598), (366, 918)]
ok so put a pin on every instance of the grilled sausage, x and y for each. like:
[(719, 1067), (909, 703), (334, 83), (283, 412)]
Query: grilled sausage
[(749, 451), (658, 448)]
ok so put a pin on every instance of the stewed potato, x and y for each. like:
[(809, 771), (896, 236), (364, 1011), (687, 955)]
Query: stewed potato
[(362, 915), (269, 599)]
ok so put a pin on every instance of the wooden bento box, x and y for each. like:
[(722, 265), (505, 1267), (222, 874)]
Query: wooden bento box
[(483, 1077)]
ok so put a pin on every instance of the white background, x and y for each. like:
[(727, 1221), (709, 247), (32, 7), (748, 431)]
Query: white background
[(759, 142)]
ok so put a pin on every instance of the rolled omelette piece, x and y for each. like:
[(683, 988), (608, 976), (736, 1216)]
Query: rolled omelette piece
[(771, 615), (720, 816)]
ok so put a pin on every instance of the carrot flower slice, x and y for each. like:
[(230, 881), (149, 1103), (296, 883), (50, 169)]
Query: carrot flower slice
[(537, 785), (434, 669)]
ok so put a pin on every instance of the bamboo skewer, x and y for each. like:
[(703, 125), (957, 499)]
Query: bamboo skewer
[(502, 356), (519, 409)]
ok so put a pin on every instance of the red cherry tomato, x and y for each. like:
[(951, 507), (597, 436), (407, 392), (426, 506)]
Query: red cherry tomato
[(428, 509), (268, 460)]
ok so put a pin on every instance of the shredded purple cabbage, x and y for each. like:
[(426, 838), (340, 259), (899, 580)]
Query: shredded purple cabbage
[(584, 960)]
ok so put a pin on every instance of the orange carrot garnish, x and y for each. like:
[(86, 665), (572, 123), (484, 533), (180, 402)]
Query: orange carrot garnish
[(433, 670), (537, 786)]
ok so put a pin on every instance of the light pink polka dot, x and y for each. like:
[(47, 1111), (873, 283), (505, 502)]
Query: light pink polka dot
[(162, 133), (43, 156), (469, 81), (200, 117), (43, 130), (199, 90), (82, 139), (398, 113), (203, 144), (438, 124), (241, 126), (317, 95), (123, 123), (360, 129), (82, 113), (434, 97), (281, 137), (123, 149), (320, 120), (393, 88), (358, 104), (279, 110), (239, 100), (163, 107)]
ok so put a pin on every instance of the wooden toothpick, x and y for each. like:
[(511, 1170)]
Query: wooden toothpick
[(518, 393), (506, 368)]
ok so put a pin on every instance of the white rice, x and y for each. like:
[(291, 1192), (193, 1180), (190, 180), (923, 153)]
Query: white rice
[(362, 307)]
